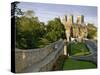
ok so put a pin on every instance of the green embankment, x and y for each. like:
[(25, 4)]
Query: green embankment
[(78, 48), (71, 64)]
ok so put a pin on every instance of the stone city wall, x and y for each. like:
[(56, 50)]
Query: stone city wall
[(27, 57)]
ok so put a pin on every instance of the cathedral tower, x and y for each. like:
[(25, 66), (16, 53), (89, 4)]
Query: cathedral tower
[(80, 19), (70, 19)]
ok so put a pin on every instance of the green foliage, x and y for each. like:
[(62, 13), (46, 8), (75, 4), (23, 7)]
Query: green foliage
[(92, 31), (42, 42), (77, 48), (55, 30), (71, 64), (28, 32)]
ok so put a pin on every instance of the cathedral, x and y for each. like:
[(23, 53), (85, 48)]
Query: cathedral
[(75, 30)]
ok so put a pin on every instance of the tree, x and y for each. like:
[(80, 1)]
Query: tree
[(31, 33), (55, 30), (28, 31), (92, 31)]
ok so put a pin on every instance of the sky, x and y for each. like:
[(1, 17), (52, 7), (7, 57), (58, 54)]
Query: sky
[(46, 12)]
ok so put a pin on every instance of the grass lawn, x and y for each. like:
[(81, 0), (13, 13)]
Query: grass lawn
[(71, 64), (78, 48)]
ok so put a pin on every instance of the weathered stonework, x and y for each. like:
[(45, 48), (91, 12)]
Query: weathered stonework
[(76, 30), (42, 59)]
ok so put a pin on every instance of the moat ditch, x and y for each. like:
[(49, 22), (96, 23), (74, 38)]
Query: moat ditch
[(67, 63)]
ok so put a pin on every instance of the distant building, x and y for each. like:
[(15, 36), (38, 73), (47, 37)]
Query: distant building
[(76, 30)]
